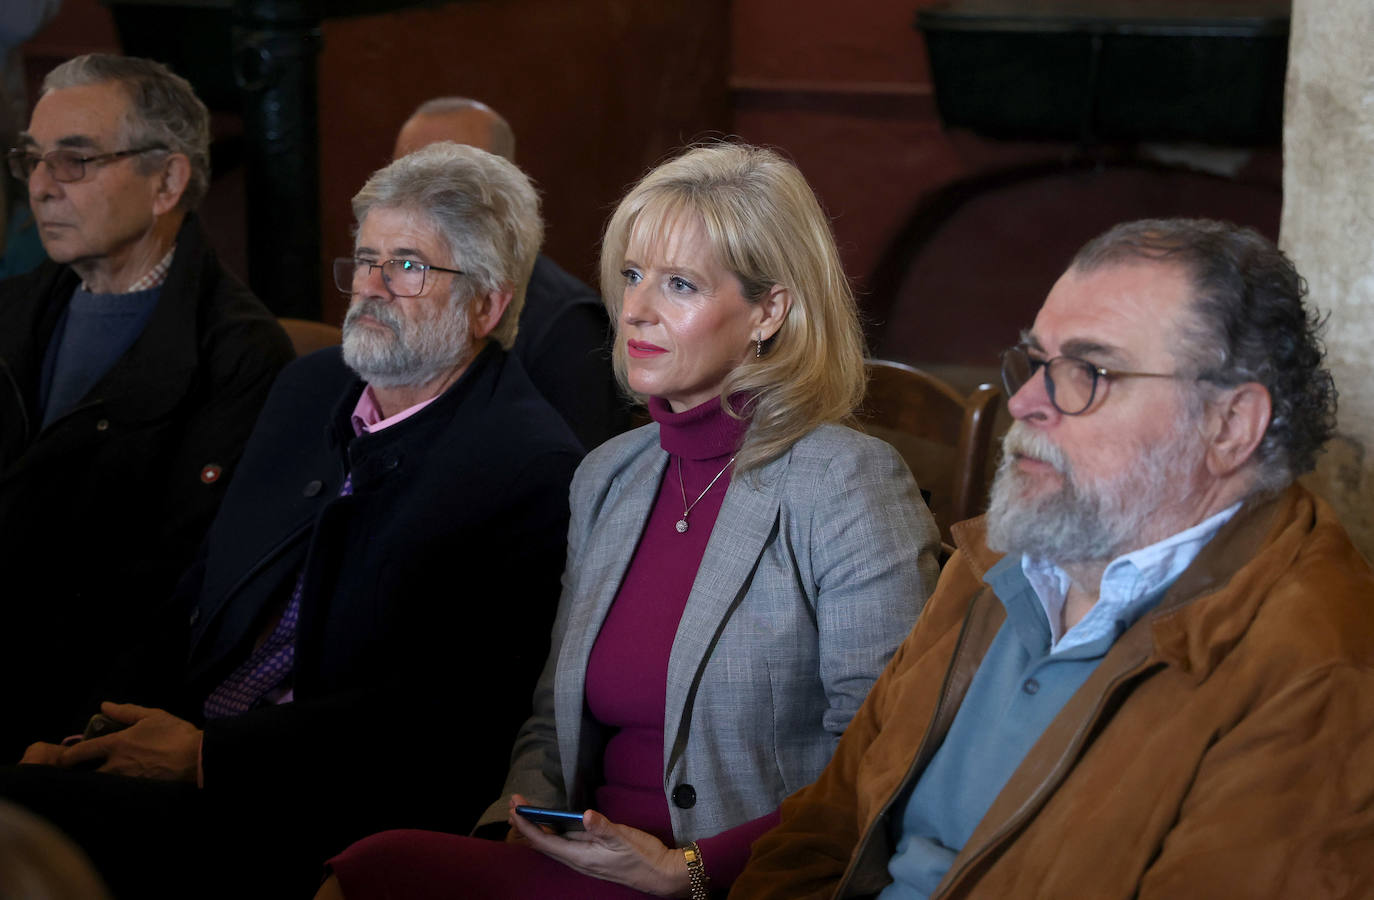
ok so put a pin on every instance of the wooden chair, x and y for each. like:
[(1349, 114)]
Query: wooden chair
[(943, 437), (307, 336)]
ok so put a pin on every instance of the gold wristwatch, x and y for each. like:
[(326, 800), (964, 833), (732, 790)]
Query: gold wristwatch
[(696, 871)]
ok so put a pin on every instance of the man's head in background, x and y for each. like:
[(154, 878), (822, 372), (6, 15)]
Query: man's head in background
[(456, 119)]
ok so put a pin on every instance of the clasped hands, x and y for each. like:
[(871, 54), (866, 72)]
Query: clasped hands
[(156, 744), (610, 852)]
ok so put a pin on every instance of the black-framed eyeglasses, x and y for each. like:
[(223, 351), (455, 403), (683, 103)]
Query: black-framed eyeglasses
[(67, 165), (1070, 382), (402, 277)]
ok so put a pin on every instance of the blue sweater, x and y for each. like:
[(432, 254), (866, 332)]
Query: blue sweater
[(1017, 691), (91, 336)]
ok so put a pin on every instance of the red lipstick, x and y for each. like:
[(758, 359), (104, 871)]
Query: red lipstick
[(643, 349)]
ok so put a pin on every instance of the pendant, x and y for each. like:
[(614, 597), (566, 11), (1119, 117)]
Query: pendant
[(681, 526)]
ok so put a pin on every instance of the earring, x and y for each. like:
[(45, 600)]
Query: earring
[(758, 348)]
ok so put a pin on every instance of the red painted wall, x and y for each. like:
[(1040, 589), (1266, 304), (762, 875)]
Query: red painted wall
[(845, 90), (596, 90), (599, 90)]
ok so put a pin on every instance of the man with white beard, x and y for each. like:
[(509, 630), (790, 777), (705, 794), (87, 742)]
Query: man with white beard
[(373, 601), (1148, 671)]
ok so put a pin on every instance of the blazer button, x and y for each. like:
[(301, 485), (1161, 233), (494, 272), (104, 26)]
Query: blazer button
[(102, 425), (684, 796), (312, 488)]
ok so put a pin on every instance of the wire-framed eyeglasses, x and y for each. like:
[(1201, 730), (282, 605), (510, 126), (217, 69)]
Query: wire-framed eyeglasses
[(1070, 382), (402, 277), (67, 165)]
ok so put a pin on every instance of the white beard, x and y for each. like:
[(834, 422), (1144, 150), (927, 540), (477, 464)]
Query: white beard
[(414, 353), (1088, 521)]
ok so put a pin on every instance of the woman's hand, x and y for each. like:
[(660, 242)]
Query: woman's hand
[(610, 852)]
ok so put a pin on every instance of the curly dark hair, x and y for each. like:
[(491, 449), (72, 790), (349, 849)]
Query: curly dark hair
[(1249, 324)]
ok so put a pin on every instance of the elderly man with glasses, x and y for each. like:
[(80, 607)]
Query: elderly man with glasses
[(132, 368), (1148, 671), (373, 603)]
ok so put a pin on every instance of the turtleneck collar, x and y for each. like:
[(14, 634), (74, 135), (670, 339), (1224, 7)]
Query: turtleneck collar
[(702, 432)]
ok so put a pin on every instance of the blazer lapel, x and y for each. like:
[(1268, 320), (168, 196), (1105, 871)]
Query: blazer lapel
[(746, 524), (607, 551)]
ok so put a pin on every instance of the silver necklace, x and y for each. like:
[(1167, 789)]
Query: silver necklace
[(687, 507)]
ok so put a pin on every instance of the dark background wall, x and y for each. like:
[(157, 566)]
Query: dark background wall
[(952, 239), (596, 90)]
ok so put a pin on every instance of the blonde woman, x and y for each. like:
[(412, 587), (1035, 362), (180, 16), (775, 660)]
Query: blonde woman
[(739, 571)]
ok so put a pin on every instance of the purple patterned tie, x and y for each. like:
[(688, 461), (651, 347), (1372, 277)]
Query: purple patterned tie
[(271, 663)]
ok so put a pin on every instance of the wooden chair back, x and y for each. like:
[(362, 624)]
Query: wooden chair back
[(307, 336), (944, 437)]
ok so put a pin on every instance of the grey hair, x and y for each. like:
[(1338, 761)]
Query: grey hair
[(485, 209), (1249, 323), (163, 110), (502, 139)]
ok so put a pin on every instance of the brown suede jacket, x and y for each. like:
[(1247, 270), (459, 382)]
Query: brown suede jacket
[(1223, 748)]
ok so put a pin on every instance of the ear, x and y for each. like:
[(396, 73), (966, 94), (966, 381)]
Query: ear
[(771, 312), (485, 312), (1236, 423), (176, 174)]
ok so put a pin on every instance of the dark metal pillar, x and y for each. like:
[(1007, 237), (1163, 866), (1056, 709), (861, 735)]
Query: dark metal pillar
[(275, 47)]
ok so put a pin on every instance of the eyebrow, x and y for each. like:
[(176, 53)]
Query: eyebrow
[(400, 252), (692, 275), (73, 142), (394, 253), (686, 272), (1093, 350), (1081, 348)]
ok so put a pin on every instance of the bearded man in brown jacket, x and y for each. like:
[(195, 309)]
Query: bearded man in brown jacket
[(1149, 670)]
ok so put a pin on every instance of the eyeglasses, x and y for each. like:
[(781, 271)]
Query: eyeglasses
[(402, 277), (1070, 382), (66, 165)]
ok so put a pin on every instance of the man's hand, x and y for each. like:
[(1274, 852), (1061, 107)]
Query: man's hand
[(41, 754), (155, 745)]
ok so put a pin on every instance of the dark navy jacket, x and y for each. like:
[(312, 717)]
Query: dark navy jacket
[(428, 599)]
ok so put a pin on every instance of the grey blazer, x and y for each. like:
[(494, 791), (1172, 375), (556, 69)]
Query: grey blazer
[(814, 572)]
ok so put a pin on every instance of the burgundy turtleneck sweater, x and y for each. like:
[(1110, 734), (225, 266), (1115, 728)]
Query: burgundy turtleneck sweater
[(627, 673)]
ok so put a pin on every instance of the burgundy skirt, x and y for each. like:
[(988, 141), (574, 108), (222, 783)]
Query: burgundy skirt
[(429, 865)]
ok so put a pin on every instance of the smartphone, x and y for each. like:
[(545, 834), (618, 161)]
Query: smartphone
[(557, 819), (100, 725)]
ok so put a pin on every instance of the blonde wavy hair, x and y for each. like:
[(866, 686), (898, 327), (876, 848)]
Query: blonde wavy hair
[(765, 225)]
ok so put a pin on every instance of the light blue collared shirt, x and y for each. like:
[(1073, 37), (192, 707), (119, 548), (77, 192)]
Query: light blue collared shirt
[(1127, 581), (1027, 675)]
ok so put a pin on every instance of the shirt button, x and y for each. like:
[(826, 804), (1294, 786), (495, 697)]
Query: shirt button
[(312, 488), (1030, 686), (684, 796), (102, 425)]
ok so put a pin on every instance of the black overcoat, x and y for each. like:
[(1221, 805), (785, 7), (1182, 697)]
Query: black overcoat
[(102, 510)]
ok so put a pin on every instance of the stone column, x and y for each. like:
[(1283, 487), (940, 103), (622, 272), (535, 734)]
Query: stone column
[(1328, 228)]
